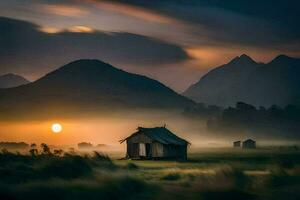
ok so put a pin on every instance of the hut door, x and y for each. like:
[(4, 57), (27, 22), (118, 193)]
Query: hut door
[(148, 150), (142, 149)]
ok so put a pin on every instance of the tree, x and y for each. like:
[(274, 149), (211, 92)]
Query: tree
[(45, 149), (244, 107), (58, 152), (84, 145), (71, 151), (4, 151), (33, 145), (33, 151)]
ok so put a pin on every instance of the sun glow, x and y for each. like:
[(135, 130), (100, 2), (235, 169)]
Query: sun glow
[(56, 128)]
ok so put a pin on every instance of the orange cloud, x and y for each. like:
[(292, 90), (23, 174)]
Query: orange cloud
[(64, 10), (73, 29), (50, 30), (206, 57), (81, 29)]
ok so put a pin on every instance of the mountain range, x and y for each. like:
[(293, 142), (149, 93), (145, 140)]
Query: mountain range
[(88, 85), (243, 79), (12, 80)]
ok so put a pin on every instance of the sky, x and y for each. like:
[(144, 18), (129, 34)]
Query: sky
[(173, 41)]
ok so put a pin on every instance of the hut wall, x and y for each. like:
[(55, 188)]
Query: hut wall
[(153, 149), (237, 144), (175, 151), (157, 150), (132, 150), (249, 145), (133, 144), (142, 149)]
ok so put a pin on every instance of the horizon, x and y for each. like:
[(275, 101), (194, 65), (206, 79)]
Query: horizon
[(93, 119), (92, 59)]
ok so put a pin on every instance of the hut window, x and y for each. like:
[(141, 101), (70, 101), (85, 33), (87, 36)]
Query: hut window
[(142, 149)]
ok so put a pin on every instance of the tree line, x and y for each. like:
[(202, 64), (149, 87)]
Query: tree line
[(243, 116)]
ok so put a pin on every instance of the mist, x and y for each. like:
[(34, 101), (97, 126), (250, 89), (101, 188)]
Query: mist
[(110, 128)]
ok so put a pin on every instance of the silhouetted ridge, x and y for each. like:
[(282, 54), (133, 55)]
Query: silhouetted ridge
[(282, 59), (217, 86), (87, 63), (242, 79), (93, 84), (12, 80), (243, 59)]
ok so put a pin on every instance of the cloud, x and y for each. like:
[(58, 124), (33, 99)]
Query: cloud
[(137, 12), (81, 29), (64, 10), (27, 50), (49, 29), (264, 24), (210, 32)]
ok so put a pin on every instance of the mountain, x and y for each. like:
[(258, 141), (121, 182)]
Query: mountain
[(277, 82), (12, 80), (243, 79), (219, 86), (88, 85)]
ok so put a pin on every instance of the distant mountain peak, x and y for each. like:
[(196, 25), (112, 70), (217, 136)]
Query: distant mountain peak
[(282, 58), (242, 59), (245, 56), (90, 85), (276, 82), (80, 68), (88, 61), (10, 75), (85, 63), (12, 80)]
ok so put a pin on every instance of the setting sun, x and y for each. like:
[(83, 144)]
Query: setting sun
[(56, 128)]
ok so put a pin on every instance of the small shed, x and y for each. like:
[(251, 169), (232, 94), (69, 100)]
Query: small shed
[(237, 144), (249, 144), (155, 143)]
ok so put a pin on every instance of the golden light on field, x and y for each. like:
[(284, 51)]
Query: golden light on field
[(56, 128)]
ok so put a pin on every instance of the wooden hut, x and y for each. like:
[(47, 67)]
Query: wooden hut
[(155, 143), (237, 144), (249, 144)]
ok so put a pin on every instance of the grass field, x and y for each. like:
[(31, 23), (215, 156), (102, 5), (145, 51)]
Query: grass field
[(225, 173), (208, 174)]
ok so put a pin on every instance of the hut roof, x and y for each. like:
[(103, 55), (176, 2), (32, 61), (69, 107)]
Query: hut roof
[(160, 134), (249, 140)]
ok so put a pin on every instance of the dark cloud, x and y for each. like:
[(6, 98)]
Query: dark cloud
[(259, 23), (24, 49)]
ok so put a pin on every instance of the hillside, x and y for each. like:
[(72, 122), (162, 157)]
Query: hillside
[(87, 85), (243, 79), (12, 80)]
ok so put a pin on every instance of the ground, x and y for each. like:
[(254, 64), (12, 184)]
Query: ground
[(270, 173)]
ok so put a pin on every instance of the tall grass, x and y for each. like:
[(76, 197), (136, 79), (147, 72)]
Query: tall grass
[(22, 168), (120, 188), (48, 175), (71, 176)]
